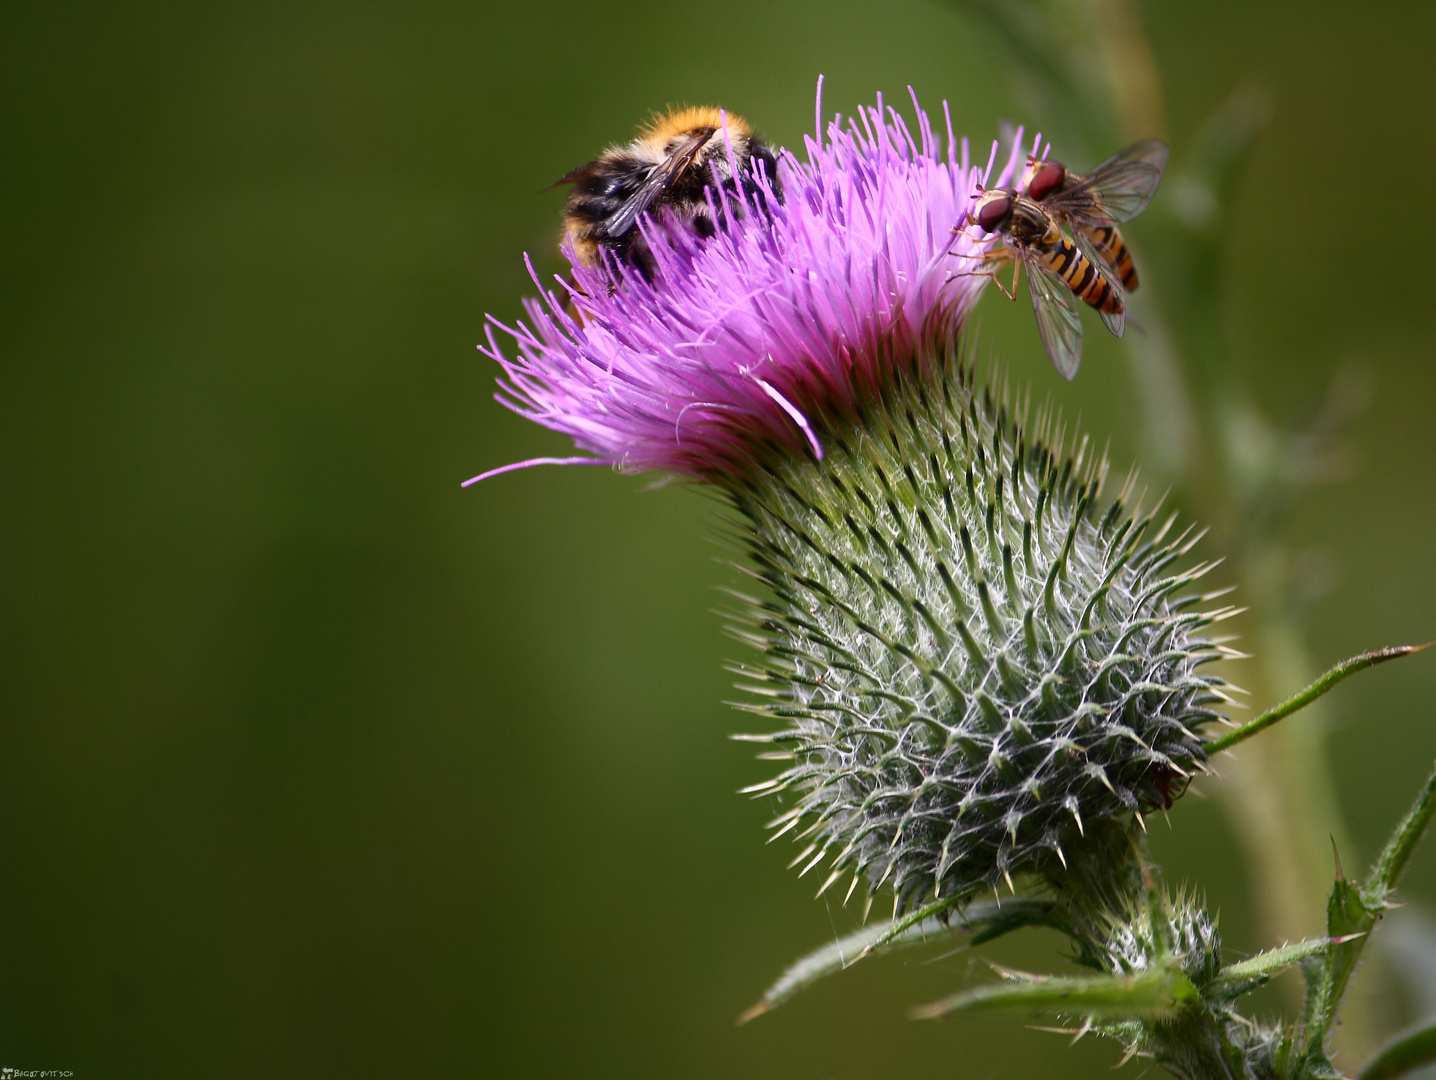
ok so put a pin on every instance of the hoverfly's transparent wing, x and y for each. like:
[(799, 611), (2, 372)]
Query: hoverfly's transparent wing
[(1059, 323), (1153, 151), (659, 181), (1117, 190), (1115, 320)]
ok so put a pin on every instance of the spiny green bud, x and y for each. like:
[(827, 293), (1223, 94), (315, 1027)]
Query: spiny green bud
[(972, 659), (1156, 930), (1151, 932)]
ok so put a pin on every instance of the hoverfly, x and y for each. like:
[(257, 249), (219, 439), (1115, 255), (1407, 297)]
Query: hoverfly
[(1059, 268), (1116, 191)]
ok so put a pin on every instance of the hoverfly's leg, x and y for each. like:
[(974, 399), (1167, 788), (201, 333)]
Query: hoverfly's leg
[(995, 280), (1016, 274), (982, 273), (961, 229), (999, 256)]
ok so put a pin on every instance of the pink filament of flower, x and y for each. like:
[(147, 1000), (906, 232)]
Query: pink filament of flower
[(821, 294)]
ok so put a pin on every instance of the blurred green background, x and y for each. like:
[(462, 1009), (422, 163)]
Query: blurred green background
[(315, 765)]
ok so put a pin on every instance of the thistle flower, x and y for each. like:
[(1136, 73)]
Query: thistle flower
[(973, 664), (782, 323)]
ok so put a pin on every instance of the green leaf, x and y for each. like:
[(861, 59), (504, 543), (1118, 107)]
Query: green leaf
[(1394, 857), (1347, 918), (1352, 911), (983, 921), (1311, 693), (1156, 994), (1240, 978), (1406, 1052)]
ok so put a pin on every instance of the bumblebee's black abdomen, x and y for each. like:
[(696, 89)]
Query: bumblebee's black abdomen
[(602, 187), (760, 156)]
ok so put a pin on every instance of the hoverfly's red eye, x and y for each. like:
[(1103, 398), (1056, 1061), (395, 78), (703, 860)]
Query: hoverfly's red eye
[(994, 211), (1047, 179)]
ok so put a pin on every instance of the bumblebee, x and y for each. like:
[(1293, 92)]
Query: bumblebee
[(669, 168)]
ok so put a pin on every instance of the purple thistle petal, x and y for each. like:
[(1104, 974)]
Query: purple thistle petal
[(531, 462), (798, 418), (760, 336)]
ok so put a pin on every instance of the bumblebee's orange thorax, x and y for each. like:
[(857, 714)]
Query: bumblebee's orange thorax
[(677, 123)]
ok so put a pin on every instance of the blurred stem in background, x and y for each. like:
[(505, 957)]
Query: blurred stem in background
[(1085, 69)]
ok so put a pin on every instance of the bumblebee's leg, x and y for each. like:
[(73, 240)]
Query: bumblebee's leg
[(569, 305)]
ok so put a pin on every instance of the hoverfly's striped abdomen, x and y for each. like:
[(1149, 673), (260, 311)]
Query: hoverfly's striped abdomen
[(1111, 247), (1082, 277)]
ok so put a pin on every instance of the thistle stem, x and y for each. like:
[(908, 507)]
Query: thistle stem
[(1310, 694), (1392, 863)]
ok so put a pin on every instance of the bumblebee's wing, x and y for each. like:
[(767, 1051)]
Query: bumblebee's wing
[(659, 180), (1118, 189), (1058, 322), (1115, 320), (573, 176)]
